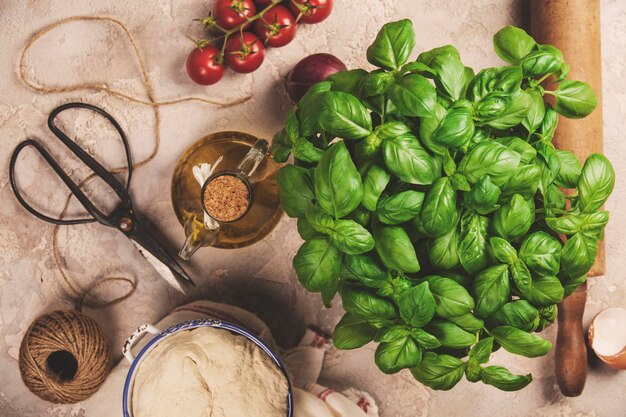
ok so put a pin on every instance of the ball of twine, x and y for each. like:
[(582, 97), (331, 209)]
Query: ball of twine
[(64, 357)]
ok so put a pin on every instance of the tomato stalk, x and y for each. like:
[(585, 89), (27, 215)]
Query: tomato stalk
[(210, 22)]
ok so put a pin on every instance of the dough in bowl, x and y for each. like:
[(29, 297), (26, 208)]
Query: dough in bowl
[(208, 372)]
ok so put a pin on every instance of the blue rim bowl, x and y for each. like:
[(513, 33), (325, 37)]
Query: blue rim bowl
[(192, 324)]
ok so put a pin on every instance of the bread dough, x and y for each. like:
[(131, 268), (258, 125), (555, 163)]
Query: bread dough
[(208, 372)]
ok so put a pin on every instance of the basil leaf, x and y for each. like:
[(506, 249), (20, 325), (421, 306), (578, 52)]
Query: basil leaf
[(353, 332), (521, 277), (338, 187), (483, 196), (545, 291), (503, 250), (450, 335), (495, 82), (305, 150), (570, 285), (478, 354), (574, 99), (546, 60), (501, 378), (489, 158), (491, 290), (451, 298), (391, 357), (347, 81), (443, 251), (391, 333), (524, 149), (570, 169), (536, 112), (417, 305), (393, 45), (281, 146), (395, 248), (519, 313), (408, 160), (308, 110), (376, 83), (547, 316), (524, 181), (515, 111), (416, 67), (305, 230), (295, 189), (413, 95), (392, 129), (468, 322), (364, 270), (343, 115), (447, 69), (317, 265), (319, 220), (512, 43), (520, 342), (399, 208), (549, 123), (374, 183), (481, 351), (596, 183), (594, 223), (541, 253), (568, 224), (362, 303), (427, 127), (578, 255), (456, 128), (369, 146), (473, 242), (514, 218), (439, 213), (440, 372), (459, 182), (350, 237), (425, 339)]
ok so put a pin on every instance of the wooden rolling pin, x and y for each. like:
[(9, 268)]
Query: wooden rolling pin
[(574, 27)]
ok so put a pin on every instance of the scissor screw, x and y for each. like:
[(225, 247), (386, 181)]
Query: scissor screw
[(126, 224)]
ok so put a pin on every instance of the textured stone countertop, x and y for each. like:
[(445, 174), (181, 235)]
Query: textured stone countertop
[(265, 283)]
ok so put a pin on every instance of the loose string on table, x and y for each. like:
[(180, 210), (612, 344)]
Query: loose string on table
[(83, 299)]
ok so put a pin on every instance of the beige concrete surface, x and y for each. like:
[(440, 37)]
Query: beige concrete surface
[(265, 282)]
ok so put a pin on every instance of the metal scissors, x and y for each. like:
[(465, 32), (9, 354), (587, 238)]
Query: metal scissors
[(123, 217)]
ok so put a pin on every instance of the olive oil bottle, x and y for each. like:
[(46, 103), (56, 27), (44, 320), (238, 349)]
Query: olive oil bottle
[(264, 213)]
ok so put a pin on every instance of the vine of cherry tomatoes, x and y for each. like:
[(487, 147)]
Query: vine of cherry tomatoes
[(245, 28)]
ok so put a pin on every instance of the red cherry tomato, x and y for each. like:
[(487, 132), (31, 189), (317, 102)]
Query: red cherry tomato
[(202, 65), (244, 52), (229, 14), (263, 3), (277, 27), (311, 11)]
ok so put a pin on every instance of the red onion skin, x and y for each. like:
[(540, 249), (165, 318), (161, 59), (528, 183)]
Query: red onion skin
[(309, 71)]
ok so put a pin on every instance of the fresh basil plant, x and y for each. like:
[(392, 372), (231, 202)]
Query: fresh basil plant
[(433, 200)]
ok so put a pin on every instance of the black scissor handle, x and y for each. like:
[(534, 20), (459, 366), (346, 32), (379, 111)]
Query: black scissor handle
[(95, 166), (88, 160), (66, 179)]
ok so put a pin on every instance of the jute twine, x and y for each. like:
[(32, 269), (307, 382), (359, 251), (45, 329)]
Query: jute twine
[(64, 357), (151, 101)]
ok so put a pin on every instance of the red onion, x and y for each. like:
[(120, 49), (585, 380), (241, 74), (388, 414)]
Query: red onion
[(311, 70)]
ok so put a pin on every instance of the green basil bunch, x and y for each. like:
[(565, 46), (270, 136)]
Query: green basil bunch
[(431, 198)]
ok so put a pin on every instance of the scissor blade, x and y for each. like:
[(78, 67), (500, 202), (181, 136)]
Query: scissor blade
[(160, 267), (148, 244)]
